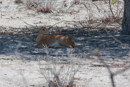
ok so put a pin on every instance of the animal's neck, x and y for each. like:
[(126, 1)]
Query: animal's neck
[(39, 37)]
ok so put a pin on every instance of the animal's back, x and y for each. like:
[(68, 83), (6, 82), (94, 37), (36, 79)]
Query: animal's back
[(61, 39)]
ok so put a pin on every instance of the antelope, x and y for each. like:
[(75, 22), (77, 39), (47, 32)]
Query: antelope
[(56, 41)]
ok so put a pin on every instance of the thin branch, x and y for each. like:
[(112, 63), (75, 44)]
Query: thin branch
[(96, 52), (42, 72), (123, 70), (111, 9)]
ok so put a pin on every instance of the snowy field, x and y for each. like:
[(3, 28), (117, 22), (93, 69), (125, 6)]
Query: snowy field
[(19, 58)]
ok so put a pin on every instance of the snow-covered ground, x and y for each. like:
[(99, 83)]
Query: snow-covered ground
[(19, 65)]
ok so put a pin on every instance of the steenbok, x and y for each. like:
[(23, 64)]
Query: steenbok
[(58, 41)]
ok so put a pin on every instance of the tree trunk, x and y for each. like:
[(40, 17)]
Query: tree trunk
[(126, 18)]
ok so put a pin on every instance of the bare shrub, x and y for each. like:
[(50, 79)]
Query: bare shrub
[(18, 1), (57, 73), (112, 74), (40, 5)]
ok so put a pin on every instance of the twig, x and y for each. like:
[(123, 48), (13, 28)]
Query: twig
[(20, 71), (114, 38), (113, 13), (123, 70), (111, 9), (49, 27), (56, 24), (42, 72), (96, 52)]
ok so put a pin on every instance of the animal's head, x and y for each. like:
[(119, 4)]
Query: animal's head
[(42, 30)]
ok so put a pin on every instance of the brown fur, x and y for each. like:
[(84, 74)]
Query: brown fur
[(48, 40)]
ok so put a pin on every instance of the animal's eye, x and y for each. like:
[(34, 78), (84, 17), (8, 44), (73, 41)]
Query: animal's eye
[(43, 29)]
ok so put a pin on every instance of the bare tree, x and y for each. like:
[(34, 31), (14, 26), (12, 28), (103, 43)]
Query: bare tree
[(126, 18)]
